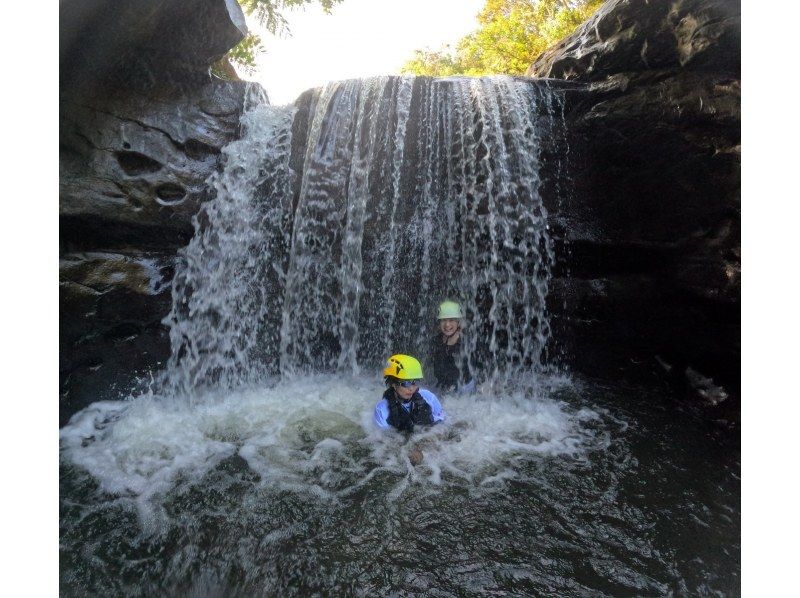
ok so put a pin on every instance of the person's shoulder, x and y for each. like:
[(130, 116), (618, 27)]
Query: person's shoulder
[(381, 413), (433, 401), (428, 395)]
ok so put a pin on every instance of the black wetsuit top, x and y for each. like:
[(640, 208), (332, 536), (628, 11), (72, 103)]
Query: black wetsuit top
[(444, 356), (403, 420)]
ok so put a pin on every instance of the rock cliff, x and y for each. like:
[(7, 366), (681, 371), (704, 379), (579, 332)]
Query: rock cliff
[(650, 228), (142, 124)]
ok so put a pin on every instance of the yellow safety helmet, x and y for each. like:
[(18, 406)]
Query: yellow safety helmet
[(403, 367), (449, 310)]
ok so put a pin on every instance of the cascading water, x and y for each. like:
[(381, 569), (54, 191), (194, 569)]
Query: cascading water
[(252, 466), (436, 182), (448, 207), (224, 290)]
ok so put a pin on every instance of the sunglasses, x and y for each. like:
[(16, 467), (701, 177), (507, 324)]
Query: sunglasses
[(408, 383)]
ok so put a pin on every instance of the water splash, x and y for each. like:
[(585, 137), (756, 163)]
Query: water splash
[(225, 285), (411, 190), (315, 434)]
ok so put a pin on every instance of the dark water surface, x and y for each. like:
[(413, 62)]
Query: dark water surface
[(649, 505)]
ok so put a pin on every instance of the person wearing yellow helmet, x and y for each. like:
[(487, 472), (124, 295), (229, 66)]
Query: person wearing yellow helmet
[(446, 350), (404, 404)]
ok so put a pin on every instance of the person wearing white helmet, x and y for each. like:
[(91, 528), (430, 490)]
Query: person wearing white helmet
[(450, 366)]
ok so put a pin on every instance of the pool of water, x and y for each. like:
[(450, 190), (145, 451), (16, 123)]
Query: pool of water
[(571, 488)]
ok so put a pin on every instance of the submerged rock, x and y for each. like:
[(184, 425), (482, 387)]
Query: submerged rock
[(415, 456), (311, 428)]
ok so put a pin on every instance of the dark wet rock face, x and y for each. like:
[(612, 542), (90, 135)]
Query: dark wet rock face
[(650, 274), (141, 43), (110, 320), (635, 36), (138, 162), (142, 126)]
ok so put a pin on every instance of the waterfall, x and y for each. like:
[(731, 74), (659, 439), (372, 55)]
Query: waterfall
[(226, 285), (411, 191)]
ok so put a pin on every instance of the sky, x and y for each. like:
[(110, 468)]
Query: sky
[(360, 38)]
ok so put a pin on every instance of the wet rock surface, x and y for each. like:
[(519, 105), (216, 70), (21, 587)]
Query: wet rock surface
[(649, 230), (141, 43), (110, 330), (641, 35), (141, 127), (137, 162)]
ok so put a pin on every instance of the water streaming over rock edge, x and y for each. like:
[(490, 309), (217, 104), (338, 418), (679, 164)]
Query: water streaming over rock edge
[(411, 190), (226, 286)]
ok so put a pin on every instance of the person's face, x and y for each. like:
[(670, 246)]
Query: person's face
[(448, 326), (405, 392)]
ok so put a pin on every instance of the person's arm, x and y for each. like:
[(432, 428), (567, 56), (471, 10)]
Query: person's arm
[(382, 414), (436, 407), (466, 375), (435, 357)]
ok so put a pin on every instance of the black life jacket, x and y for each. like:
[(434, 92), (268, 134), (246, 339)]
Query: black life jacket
[(403, 420)]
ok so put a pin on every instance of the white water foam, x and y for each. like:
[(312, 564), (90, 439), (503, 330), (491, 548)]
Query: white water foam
[(315, 435)]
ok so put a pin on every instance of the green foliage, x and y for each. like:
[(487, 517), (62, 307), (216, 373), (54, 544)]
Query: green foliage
[(510, 36), (269, 14), (442, 63), (244, 53)]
